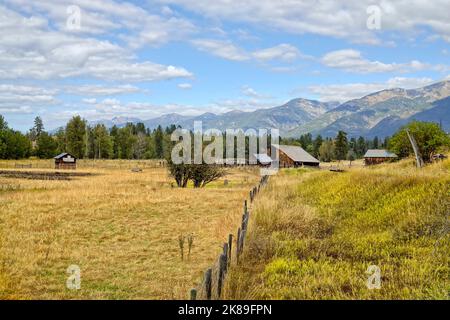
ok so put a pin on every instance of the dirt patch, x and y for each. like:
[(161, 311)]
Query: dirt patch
[(36, 175)]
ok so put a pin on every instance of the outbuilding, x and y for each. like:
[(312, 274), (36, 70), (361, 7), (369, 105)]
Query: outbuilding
[(294, 156), (377, 156), (65, 161)]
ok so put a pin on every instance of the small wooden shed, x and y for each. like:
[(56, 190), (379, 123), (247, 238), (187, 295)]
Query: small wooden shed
[(65, 161), (377, 156)]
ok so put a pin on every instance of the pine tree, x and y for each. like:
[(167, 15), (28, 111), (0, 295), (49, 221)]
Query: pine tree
[(341, 146)]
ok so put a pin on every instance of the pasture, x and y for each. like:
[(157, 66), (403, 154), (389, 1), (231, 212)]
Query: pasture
[(120, 227), (313, 234)]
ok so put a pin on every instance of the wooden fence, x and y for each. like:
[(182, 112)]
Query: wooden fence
[(23, 166), (214, 277)]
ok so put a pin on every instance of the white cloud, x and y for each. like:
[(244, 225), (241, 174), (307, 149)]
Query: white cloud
[(101, 90), (220, 48), (185, 86), (250, 92), (228, 50), (349, 91), (330, 18), (31, 49), (284, 52), (352, 61), (22, 99)]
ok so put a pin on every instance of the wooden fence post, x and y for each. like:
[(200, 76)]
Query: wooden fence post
[(193, 294), (230, 244), (208, 278), (238, 240), (225, 253), (222, 266)]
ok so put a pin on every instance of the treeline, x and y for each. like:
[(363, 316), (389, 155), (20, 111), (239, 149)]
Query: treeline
[(338, 148), (134, 141)]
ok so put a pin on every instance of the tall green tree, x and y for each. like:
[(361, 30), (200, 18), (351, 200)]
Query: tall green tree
[(316, 145), (159, 143), (46, 146), (75, 136), (429, 137), (341, 146), (326, 151)]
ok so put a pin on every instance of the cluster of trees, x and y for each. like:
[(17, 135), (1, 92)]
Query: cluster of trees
[(13, 144), (339, 148), (134, 141), (429, 136)]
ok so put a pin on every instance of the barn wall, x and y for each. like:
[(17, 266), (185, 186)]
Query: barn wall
[(372, 161)]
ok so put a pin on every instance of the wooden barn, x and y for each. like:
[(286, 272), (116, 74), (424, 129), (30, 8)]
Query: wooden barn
[(375, 156), (65, 161), (293, 156)]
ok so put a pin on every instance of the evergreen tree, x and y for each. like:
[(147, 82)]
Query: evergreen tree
[(75, 136), (46, 146), (159, 144), (341, 146), (316, 146)]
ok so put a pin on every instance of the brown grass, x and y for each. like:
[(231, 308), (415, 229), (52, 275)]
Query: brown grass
[(120, 227), (314, 233)]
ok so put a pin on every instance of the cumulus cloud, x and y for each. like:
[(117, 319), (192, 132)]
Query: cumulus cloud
[(31, 49), (228, 50), (101, 90), (21, 98), (352, 61), (329, 18), (349, 91)]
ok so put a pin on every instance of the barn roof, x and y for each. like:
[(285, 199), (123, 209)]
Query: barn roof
[(298, 154), (263, 158), (62, 155), (379, 153)]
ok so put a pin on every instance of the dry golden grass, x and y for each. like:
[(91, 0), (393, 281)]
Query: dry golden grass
[(120, 227), (314, 233)]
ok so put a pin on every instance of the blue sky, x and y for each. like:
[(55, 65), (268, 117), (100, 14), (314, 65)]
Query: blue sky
[(143, 59)]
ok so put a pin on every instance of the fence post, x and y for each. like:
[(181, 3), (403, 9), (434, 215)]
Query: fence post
[(208, 276), (238, 240), (225, 253), (222, 266), (230, 244), (193, 294)]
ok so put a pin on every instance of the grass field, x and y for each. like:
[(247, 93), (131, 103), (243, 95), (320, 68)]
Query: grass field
[(313, 235), (121, 228)]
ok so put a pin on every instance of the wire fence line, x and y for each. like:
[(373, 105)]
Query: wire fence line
[(213, 279)]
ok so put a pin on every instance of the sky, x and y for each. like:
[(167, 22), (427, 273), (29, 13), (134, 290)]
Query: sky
[(141, 59)]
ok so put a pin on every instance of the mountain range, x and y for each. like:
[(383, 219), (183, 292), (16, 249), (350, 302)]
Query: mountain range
[(377, 114)]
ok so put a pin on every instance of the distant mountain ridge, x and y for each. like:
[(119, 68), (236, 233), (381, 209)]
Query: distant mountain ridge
[(377, 114)]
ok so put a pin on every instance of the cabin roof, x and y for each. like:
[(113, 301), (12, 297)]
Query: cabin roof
[(62, 155), (263, 158), (379, 153), (298, 154)]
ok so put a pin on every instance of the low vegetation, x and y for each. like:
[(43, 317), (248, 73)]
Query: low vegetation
[(122, 229), (314, 234)]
